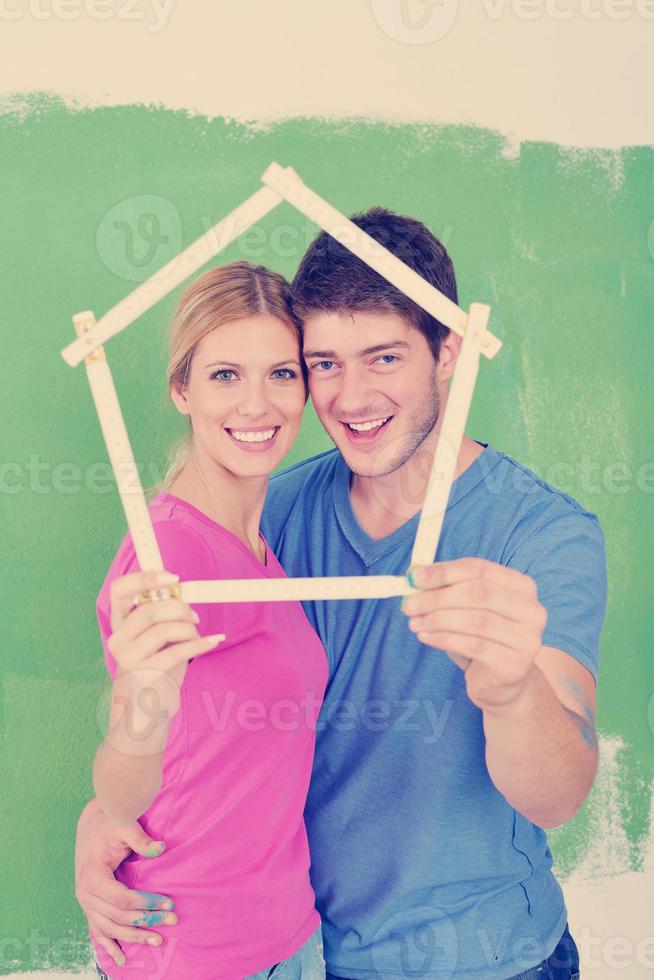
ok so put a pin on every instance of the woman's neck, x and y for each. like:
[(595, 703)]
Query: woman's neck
[(233, 502)]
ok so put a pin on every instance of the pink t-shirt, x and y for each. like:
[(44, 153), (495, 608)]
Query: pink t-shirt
[(236, 770)]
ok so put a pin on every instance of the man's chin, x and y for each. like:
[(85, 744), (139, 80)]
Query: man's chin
[(364, 465)]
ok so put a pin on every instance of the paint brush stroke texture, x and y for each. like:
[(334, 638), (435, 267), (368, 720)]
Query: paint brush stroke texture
[(560, 243)]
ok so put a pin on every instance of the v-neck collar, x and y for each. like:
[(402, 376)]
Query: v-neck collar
[(201, 516), (371, 550)]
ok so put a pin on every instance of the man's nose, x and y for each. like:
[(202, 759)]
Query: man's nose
[(354, 394)]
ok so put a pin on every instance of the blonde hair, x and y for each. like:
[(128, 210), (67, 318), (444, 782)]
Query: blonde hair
[(220, 295)]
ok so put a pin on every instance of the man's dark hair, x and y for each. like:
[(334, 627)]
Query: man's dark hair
[(332, 279)]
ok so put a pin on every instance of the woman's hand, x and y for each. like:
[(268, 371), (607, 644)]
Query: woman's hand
[(114, 912), (153, 642)]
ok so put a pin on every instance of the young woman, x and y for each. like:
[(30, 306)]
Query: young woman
[(211, 739)]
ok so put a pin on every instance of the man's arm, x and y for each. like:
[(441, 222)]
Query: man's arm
[(537, 708), (113, 911), (541, 749)]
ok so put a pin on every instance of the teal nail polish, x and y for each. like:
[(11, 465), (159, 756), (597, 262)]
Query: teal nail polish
[(151, 900)]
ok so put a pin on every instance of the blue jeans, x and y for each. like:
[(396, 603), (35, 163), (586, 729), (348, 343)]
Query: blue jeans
[(562, 964), (307, 963)]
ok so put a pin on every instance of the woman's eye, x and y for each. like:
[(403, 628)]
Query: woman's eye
[(284, 374), (220, 375)]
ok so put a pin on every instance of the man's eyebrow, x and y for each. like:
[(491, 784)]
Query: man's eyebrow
[(362, 353), (290, 360)]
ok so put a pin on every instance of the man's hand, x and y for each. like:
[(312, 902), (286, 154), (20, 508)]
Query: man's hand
[(114, 911), (488, 620)]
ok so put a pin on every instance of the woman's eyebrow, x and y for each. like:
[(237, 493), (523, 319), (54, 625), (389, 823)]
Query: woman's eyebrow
[(290, 360)]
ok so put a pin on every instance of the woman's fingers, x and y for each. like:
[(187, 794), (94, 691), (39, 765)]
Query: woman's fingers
[(144, 616), (124, 589), (139, 652), (181, 652)]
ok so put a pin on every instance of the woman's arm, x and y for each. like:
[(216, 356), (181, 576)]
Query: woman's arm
[(151, 645), (128, 764)]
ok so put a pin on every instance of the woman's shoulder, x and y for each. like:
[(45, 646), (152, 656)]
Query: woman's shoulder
[(184, 544)]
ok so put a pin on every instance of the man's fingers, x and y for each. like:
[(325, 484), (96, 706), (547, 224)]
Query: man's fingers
[(107, 929), (114, 918), (471, 594), (111, 948), (501, 658), (461, 569), (140, 842), (477, 623), (106, 895)]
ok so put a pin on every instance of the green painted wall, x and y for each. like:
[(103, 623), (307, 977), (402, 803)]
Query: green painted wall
[(555, 239)]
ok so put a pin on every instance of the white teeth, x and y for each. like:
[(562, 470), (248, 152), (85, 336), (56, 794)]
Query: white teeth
[(365, 426), (253, 436)]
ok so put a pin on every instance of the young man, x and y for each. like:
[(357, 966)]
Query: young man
[(443, 749)]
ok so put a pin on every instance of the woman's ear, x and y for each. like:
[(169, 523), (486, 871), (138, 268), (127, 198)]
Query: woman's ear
[(179, 397)]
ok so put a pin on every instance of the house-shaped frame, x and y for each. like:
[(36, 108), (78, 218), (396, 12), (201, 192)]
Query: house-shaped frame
[(282, 184)]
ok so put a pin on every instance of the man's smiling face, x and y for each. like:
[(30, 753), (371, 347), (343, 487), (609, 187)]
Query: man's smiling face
[(374, 384)]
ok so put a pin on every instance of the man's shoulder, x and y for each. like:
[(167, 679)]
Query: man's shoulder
[(297, 490), (532, 503), (316, 469)]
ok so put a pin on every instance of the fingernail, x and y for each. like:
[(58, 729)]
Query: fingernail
[(168, 904), (170, 919), (156, 849), (215, 638), (415, 577), (167, 578), (120, 960), (195, 617), (153, 940)]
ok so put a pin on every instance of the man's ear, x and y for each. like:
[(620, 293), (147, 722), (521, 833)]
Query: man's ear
[(178, 395), (448, 355)]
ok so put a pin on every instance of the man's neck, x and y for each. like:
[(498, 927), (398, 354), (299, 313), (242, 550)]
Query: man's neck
[(383, 504)]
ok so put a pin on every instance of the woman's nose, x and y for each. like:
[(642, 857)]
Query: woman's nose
[(254, 402)]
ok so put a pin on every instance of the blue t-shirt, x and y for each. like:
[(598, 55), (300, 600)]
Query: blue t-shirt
[(420, 866)]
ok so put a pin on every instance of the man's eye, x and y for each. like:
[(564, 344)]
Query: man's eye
[(393, 357), (321, 364), (220, 375)]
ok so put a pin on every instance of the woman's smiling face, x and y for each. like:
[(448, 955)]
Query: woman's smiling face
[(245, 394)]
